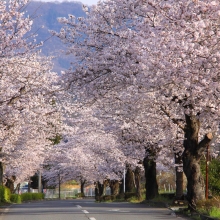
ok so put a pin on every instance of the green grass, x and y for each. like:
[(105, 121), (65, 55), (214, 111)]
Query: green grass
[(214, 212), (167, 192), (134, 199), (161, 198), (210, 207)]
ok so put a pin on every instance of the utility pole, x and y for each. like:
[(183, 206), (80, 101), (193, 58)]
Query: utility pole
[(59, 183), (39, 182), (124, 181), (207, 174)]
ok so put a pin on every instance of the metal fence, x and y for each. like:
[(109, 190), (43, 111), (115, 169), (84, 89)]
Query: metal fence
[(65, 194)]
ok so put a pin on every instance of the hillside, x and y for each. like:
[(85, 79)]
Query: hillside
[(45, 15)]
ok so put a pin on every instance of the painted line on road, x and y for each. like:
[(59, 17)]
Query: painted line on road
[(92, 218), (78, 206), (117, 210), (3, 211), (85, 211)]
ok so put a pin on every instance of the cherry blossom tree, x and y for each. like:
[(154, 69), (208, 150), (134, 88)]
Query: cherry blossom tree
[(33, 116), (169, 50), (9, 40), (87, 152), (187, 79), (29, 116), (97, 51), (139, 138), (14, 38)]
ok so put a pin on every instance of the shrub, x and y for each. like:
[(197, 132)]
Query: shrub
[(80, 195), (31, 196), (37, 196), (5, 194), (15, 198), (26, 196)]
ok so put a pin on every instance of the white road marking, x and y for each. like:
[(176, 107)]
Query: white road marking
[(78, 206), (4, 211), (85, 211), (92, 218), (117, 210)]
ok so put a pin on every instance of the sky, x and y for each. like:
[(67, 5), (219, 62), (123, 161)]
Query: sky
[(86, 2)]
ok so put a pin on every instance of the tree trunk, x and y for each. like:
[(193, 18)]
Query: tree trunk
[(129, 180), (98, 190), (137, 178), (1, 173), (105, 184), (191, 156), (121, 186), (17, 189), (114, 185), (179, 176), (179, 184), (151, 180), (82, 184), (10, 183), (29, 186)]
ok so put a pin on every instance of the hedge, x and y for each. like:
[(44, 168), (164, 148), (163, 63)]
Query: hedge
[(5, 194), (31, 196), (15, 198)]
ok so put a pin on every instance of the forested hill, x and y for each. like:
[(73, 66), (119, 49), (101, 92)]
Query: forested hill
[(45, 14)]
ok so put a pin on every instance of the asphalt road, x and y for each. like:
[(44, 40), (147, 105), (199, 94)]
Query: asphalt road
[(84, 209)]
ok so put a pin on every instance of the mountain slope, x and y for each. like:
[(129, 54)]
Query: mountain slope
[(45, 16)]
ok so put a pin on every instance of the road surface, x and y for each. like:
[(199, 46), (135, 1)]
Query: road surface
[(84, 209)]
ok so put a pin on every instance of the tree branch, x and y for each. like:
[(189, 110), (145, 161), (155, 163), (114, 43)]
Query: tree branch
[(174, 120), (204, 144)]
